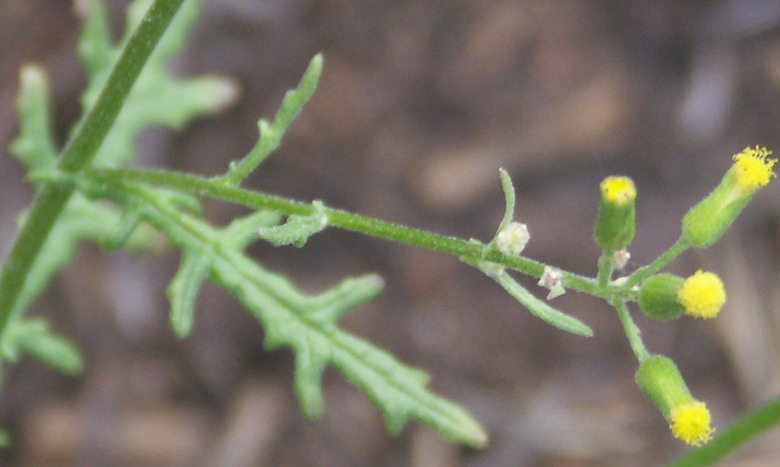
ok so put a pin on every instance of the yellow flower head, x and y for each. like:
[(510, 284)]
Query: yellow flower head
[(702, 295), (691, 423), (753, 169), (618, 190)]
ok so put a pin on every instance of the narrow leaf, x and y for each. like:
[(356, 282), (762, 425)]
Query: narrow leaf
[(348, 294), (271, 134), (541, 309), (34, 146), (183, 289), (33, 337), (309, 365), (509, 196)]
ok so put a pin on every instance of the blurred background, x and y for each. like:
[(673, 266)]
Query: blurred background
[(419, 105)]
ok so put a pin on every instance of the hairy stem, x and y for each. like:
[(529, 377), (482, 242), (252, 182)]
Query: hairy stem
[(338, 218), (643, 273), (632, 331), (79, 152)]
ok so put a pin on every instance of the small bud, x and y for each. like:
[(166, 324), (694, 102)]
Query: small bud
[(615, 223), (551, 279), (666, 296), (658, 297), (689, 420), (706, 222), (620, 258), (513, 238)]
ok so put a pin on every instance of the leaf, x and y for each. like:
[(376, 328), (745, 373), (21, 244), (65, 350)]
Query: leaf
[(183, 290), (509, 195), (157, 98), (33, 337), (270, 135), (297, 230), (541, 309), (307, 324), (34, 146)]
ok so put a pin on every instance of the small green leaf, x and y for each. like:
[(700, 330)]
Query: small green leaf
[(350, 293), (297, 229), (34, 146), (541, 309), (183, 289), (309, 366), (271, 134), (509, 196), (33, 337)]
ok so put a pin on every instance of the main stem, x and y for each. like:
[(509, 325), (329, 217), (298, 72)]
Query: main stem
[(79, 153), (338, 218)]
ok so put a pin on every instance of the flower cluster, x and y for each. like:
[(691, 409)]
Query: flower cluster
[(664, 296)]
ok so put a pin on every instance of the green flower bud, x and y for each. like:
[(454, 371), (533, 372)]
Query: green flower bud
[(615, 225), (706, 222), (666, 296), (658, 297), (689, 419)]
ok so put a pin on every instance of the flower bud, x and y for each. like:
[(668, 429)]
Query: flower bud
[(615, 227), (658, 297), (666, 296), (513, 238), (706, 222), (689, 420)]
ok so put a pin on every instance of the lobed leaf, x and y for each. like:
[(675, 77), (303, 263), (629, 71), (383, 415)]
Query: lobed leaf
[(306, 324), (157, 98)]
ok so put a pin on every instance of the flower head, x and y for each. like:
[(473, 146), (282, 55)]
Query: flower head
[(706, 222), (752, 169), (689, 419), (702, 295), (615, 225), (618, 190), (691, 423)]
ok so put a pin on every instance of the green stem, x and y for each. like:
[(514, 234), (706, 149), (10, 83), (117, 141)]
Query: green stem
[(79, 152), (606, 267), (644, 272), (745, 429), (632, 331), (338, 218)]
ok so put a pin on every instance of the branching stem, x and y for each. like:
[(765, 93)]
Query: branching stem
[(339, 218), (79, 152)]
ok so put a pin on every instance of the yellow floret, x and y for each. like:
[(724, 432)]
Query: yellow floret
[(752, 168), (702, 295), (618, 190), (691, 423)]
